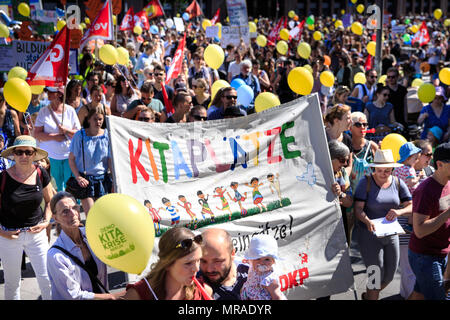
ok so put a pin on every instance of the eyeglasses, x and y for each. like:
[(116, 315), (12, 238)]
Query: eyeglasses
[(361, 124), (187, 243), (231, 97), (200, 118), (28, 153), (146, 119), (68, 211)]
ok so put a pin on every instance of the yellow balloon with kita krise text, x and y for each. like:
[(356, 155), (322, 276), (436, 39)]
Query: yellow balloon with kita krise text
[(300, 80), (393, 141), (120, 231)]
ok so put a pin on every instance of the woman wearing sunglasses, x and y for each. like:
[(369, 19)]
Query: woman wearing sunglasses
[(340, 156), (172, 276), (380, 195), (380, 111), (22, 221)]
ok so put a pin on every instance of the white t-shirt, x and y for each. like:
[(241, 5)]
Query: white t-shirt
[(234, 69), (58, 150)]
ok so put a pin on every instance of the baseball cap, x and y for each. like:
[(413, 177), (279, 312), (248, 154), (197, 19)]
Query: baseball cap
[(55, 89), (442, 152)]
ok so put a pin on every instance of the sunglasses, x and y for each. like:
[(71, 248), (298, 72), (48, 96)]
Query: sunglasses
[(159, 74), (361, 124), (187, 243), (200, 118), (391, 77), (28, 153), (231, 97), (145, 119), (386, 95), (429, 155)]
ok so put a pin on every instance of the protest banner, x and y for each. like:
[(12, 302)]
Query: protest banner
[(278, 160), (212, 32), (233, 34), (21, 53), (237, 13)]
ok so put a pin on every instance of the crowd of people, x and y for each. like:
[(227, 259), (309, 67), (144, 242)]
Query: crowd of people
[(64, 135)]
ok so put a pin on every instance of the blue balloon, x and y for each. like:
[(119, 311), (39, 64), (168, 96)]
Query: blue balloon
[(185, 16), (245, 95), (236, 83), (154, 29)]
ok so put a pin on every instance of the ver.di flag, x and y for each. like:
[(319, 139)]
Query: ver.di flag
[(102, 27), (51, 69), (128, 21), (175, 67), (141, 20), (422, 36)]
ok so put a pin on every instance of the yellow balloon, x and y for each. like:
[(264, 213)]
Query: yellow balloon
[(206, 23), (83, 25), (256, 20), (338, 23), (114, 19), (304, 50), (23, 9), (137, 30), (317, 35), (438, 14), (327, 78), (4, 31), (308, 67), (382, 79), (17, 94), (417, 83), (357, 28), (360, 77), (360, 8), (300, 80), (284, 34), (342, 11), (37, 89), (216, 86), (123, 56), (17, 72), (261, 40), (371, 48), (392, 141), (87, 20), (310, 27), (214, 56), (266, 100), (354, 1), (252, 26), (291, 14), (447, 22), (426, 92), (414, 28), (108, 54), (120, 231), (282, 47), (60, 24), (444, 75)]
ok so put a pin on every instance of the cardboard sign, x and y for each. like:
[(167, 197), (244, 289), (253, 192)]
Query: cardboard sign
[(233, 34), (179, 24), (212, 32), (21, 53)]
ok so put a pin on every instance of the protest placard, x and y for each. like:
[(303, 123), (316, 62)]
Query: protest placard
[(278, 160)]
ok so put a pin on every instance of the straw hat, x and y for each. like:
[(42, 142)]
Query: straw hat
[(384, 159), (25, 141)]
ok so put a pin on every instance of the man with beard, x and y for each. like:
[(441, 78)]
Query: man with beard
[(218, 268)]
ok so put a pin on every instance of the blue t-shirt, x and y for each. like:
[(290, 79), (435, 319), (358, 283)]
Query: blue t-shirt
[(379, 201), (432, 120), (379, 116), (96, 152)]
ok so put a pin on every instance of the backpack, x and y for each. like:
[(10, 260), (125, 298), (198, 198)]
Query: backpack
[(360, 168)]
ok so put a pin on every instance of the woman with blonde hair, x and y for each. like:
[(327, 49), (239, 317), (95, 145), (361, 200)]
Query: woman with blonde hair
[(340, 95), (172, 276)]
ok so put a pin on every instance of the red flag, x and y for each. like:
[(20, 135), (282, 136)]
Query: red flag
[(273, 35), (128, 21), (194, 9), (141, 19), (216, 17), (170, 110), (422, 36), (296, 33), (175, 67), (154, 9), (51, 69), (102, 27), (369, 63)]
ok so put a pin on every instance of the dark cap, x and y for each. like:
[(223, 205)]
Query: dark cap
[(442, 152), (232, 112), (180, 86)]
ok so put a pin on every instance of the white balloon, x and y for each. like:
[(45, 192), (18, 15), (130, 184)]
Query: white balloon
[(291, 24), (169, 23)]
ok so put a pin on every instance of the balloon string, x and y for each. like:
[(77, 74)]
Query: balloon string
[(202, 290), (150, 287)]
